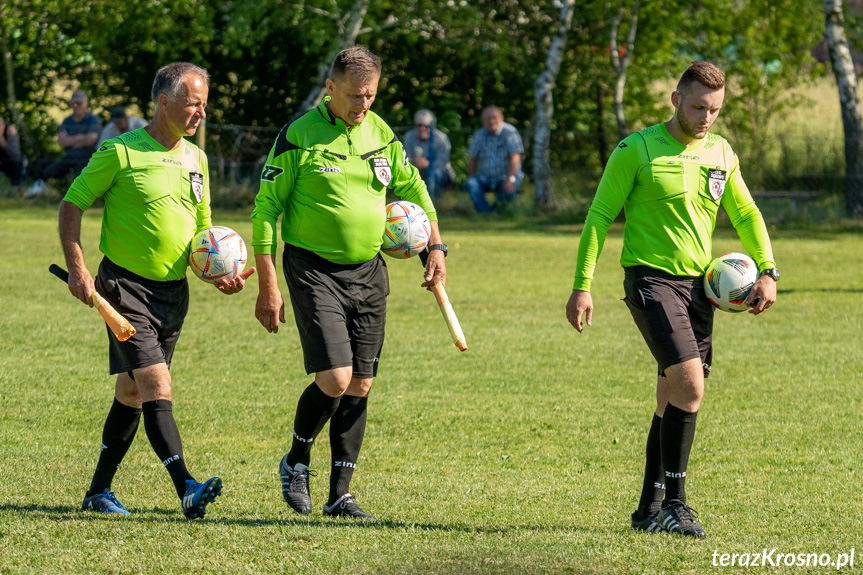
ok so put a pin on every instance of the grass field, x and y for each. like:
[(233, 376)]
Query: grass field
[(521, 455)]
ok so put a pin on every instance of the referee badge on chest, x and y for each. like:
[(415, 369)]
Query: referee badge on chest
[(716, 183), (197, 181), (382, 170)]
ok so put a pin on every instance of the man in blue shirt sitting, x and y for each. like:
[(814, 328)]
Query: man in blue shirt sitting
[(495, 162)]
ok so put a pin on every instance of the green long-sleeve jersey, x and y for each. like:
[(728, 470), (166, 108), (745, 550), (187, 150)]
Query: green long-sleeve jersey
[(330, 182), (670, 194), (155, 201)]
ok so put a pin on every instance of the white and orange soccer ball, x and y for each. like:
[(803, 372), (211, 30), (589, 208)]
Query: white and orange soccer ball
[(407, 230), (217, 253), (729, 279)]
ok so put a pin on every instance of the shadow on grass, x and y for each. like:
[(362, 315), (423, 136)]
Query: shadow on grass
[(67, 512), (73, 513), (819, 290)]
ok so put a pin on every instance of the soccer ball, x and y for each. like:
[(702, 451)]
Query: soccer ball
[(407, 230), (217, 253), (729, 279)]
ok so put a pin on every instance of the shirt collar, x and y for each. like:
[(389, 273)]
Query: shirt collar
[(338, 122)]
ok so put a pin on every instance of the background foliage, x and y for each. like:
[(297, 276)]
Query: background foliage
[(453, 56)]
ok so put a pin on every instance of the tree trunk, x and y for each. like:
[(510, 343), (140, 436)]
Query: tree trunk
[(10, 76), (9, 68), (601, 140), (543, 88), (846, 82), (349, 29), (621, 66)]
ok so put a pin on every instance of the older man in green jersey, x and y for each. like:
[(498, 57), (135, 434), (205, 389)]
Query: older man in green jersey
[(670, 180), (328, 173), (157, 196)]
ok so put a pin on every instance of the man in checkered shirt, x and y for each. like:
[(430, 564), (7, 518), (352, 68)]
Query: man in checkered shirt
[(495, 162)]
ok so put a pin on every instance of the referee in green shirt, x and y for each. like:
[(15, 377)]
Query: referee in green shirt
[(327, 175), (157, 196), (670, 180)]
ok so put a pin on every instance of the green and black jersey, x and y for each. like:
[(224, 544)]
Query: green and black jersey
[(155, 201), (670, 194), (330, 182)]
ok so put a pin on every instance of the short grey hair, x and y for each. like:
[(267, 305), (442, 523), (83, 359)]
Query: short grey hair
[(169, 80), (424, 117), (358, 62)]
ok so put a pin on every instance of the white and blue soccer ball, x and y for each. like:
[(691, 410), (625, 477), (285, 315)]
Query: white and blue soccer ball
[(407, 230), (217, 253), (728, 280)]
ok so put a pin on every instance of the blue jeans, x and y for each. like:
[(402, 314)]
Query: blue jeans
[(436, 179), (478, 185)]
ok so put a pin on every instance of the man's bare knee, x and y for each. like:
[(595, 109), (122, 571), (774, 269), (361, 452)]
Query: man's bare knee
[(334, 382), (126, 391), (360, 387), (686, 384), (154, 382)]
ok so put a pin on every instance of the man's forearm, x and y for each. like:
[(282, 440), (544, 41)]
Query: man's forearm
[(70, 235), (512, 169), (471, 167), (86, 140), (267, 277)]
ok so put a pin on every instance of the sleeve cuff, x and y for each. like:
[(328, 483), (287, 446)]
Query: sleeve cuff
[(582, 284), (268, 249)]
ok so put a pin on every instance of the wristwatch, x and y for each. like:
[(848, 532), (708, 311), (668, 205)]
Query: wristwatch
[(772, 272), (441, 247), (511, 179)]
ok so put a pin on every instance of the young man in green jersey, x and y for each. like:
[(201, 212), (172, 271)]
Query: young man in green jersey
[(157, 196), (328, 173), (670, 180)]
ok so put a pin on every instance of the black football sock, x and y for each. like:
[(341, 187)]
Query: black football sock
[(165, 438), (653, 488), (678, 431), (117, 436), (314, 409), (347, 428)]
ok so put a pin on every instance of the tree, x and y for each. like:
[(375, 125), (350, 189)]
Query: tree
[(543, 94), (760, 73), (9, 69), (846, 83), (622, 65), (40, 52), (348, 27)]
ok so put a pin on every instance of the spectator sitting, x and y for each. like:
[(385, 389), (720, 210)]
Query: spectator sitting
[(78, 135), (495, 161), (10, 153), (120, 124), (428, 149), (249, 156)]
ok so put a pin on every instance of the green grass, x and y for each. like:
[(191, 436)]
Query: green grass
[(521, 455)]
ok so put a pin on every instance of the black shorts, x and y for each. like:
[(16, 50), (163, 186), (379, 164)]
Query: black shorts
[(155, 309), (673, 314), (340, 310)]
